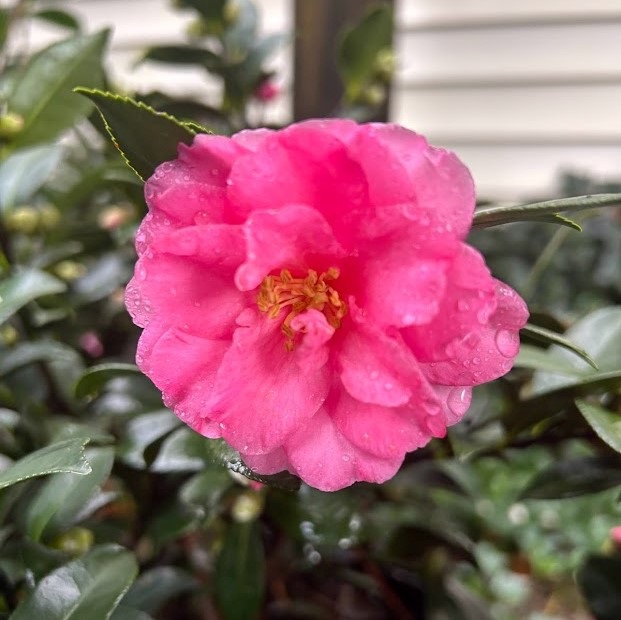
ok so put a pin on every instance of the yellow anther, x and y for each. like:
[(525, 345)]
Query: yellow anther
[(278, 292)]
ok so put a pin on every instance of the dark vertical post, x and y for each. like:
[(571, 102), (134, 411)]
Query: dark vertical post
[(317, 87)]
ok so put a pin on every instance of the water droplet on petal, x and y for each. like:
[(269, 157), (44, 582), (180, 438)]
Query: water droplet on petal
[(463, 305), (458, 400), (346, 457), (507, 343)]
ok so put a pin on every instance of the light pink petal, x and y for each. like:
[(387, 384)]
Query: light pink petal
[(181, 292), (323, 458), (252, 139), (292, 238), (262, 394), (314, 333), (385, 432), (455, 402), (267, 464), (192, 188)]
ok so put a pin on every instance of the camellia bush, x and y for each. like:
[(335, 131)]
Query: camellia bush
[(292, 372)]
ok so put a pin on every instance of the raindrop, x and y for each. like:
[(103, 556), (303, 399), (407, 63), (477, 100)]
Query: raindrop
[(463, 305), (476, 361), (458, 400), (507, 343), (346, 458)]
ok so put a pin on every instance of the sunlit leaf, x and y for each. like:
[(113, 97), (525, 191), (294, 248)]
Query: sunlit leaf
[(63, 456)]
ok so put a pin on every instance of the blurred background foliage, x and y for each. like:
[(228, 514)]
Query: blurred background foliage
[(111, 508)]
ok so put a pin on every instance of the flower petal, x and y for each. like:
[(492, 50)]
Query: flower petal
[(267, 464), (286, 239), (262, 394)]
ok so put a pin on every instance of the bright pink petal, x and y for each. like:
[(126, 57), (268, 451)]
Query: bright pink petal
[(267, 464), (385, 432), (262, 394), (286, 239), (326, 460), (192, 188)]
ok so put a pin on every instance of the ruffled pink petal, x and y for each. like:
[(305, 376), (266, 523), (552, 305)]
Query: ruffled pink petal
[(267, 464), (220, 247), (252, 139), (192, 188), (262, 393), (455, 401), (326, 460), (314, 333), (385, 432), (314, 169), (181, 292), (289, 238), (183, 366)]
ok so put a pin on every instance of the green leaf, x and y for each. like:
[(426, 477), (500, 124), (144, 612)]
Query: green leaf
[(156, 586), (142, 431), (211, 11), (63, 456), (124, 612), (58, 18), (27, 353), (62, 497), (241, 35), (24, 286), (539, 359), (240, 573), (599, 578), (96, 377), (605, 423), (573, 477), (360, 46), (183, 450), (183, 55), (86, 589), (494, 216), (549, 337), (282, 480), (43, 93), (144, 137), (24, 172), (599, 332)]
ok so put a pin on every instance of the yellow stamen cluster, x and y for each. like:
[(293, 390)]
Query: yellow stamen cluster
[(278, 292)]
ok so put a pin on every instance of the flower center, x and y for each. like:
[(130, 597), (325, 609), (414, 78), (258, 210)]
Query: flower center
[(278, 292)]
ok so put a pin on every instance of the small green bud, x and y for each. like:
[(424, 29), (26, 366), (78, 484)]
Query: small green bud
[(22, 220), (49, 216), (384, 64), (69, 270), (76, 541), (8, 335), (247, 507), (231, 12), (374, 95), (10, 125)]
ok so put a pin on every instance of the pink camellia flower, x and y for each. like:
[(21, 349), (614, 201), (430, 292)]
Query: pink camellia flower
[(267, 91), (307, 295)]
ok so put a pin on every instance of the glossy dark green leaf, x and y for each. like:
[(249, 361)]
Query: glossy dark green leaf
[(43, 94), (206, 488), (24, 286), (30, 352), (605, 423), (549, 337), (86, 589), (282, 480), (494, 216), (125, 612), (599, 333), (63, 496), (23, 172), (144, 137), (240, 573), (539, 359), (183, 55), (360, 46), (62, 456), (183, 450), (142, 431), (58, 18), (599, 578), (103, 277), (573, 477), (156, 586), (96, 377)]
